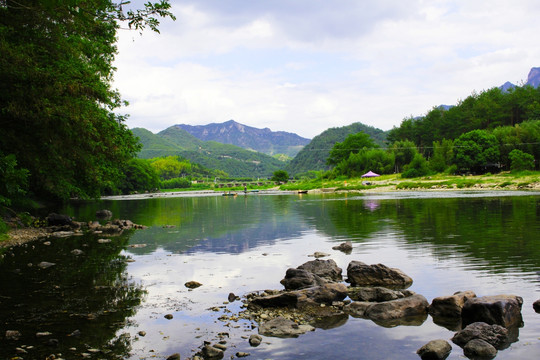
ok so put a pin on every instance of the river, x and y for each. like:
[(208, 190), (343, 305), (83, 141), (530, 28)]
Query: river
[(109, 300)]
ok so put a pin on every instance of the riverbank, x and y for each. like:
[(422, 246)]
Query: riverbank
[(529, 181)]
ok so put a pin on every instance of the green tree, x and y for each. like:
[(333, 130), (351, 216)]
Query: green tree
[(280, 176), (353, 144), (443, 153), (404, 152), (416, 168), (376, 160), (521, 160), (13, 180), (139, 176), (57, 104), (171, 167), (476, 151)]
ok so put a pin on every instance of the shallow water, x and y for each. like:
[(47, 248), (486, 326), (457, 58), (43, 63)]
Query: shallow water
[(446, 241)]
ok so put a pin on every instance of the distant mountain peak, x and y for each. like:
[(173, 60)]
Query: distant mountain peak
[(263, 140), (534, 77)]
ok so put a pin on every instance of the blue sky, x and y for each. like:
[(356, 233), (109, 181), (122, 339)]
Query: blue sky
[(305, 66)]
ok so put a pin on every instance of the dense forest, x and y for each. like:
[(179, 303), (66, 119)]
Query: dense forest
[(490, 131), (60, 135)]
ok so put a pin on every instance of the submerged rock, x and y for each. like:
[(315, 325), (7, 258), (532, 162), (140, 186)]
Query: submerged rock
[(504, 310), (361, 274), (285, 328), (435, 350), (346, 247), (45, 264)]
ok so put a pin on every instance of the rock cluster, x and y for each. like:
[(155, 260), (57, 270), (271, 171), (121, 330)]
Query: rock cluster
[(315, 296)]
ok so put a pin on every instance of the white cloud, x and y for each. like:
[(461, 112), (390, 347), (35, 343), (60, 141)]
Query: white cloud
[(306, 66)]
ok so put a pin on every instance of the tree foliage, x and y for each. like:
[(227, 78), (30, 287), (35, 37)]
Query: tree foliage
[(475, 151), (139, 176), (56, 98), (13, 180), (280, 176), (353, 144), (521, 160)]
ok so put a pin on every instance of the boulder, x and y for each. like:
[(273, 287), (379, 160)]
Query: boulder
[(345, 247), (376, 294), (495, 335), (104, 214), (435, 350), (360, 274), (324, 294), (388, 310), (450, 306), (357, 308), (536, 306), (284, 328), (504, 310), (479, 349), (300, 279), (326, 269), (58, 219)]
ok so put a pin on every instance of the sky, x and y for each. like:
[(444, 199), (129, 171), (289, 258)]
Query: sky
[(304, 66)]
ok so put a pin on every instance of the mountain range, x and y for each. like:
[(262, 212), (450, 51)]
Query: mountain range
[(233, 160), (533, 79), (264, 140)]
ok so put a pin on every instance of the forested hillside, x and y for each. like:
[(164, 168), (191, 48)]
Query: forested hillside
[(233, 160), (480, 111), (314, 155)]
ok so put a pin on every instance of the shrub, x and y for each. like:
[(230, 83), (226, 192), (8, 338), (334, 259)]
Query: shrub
[(521, 160), (176, 183)]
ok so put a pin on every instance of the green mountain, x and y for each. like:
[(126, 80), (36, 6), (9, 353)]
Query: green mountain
[(233, 160), (313, 156)]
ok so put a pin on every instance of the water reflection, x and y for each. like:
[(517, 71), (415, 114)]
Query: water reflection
[(240, 244), (70, 295)]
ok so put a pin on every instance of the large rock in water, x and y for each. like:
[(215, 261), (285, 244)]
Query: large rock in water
[(504, 310), (450, 306), (414, 305), (300, 279), (495, 335), (326, 269), (360, 274)]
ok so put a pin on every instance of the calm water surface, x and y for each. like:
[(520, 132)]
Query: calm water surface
[(101, 299)]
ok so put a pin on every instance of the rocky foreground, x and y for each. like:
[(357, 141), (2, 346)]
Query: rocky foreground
[(315, 296)]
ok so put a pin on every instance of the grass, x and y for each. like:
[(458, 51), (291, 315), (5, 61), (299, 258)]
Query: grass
[(521, 180)]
